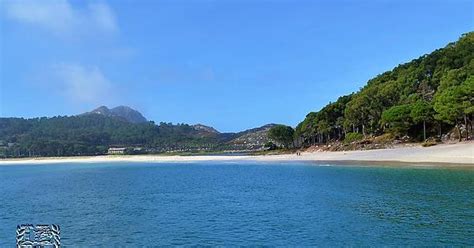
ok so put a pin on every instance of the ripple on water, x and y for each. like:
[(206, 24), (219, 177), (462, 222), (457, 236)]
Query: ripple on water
[(232, 204)]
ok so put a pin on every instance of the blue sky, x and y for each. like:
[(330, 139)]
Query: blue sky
[(231, 64)]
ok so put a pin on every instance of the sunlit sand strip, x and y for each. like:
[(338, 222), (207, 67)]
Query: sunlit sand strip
[(459, 154)]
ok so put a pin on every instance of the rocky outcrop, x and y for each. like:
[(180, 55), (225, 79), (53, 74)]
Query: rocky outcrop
[(123, 112)]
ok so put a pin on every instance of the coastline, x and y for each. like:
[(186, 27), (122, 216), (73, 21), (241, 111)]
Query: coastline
[(459, 155)]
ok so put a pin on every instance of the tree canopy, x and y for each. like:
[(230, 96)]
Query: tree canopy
[(436, 87), (282, 134), (94, 134)]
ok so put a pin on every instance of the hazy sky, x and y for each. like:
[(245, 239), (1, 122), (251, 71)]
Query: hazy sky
[(231, 64)]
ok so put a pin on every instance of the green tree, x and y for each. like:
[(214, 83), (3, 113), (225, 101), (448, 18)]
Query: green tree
[(422, 111), (456, 103), (398, 118), (282, 134)]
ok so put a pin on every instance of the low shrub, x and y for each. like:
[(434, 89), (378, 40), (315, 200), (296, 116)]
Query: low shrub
[(351, 137)]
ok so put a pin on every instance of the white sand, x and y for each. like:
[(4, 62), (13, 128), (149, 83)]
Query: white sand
[(458, 154)]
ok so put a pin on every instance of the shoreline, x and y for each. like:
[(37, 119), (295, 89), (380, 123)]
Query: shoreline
[(443, 155)]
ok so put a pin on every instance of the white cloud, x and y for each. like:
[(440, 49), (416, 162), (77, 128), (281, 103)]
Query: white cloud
[(80, 84), (103, 16), (60, 17)]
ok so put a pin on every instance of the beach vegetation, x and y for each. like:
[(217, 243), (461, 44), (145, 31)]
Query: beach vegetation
[(352, 137), (425, 97)]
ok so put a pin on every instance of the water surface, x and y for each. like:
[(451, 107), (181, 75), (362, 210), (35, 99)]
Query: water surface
[(239, 204)]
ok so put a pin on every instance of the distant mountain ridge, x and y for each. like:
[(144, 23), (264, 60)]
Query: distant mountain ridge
[(250, 139), (123, 112), (92, 133)]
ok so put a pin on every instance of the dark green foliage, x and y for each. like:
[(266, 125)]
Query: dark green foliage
[(270, 145), (326, 124), (398, 118), (351, 137), (456, 101), (455, 104), (282, 134), (93, 134), (421, 111), (410, 98)]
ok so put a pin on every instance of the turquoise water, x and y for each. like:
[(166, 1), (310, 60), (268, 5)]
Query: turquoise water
[(240, 204)]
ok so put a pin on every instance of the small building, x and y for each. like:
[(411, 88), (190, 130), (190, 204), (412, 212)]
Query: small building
[(116, 150)]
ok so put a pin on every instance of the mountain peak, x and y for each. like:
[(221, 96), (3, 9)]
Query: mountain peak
[(123, 108), (124, 112), (101, 110)]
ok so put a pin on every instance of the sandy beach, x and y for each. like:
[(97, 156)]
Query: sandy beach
[(460, 154)]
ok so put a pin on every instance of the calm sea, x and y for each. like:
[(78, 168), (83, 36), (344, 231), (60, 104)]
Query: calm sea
[(276, 204)]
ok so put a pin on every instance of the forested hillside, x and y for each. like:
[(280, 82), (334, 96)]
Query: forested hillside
[(94, 133), (426, 97)]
